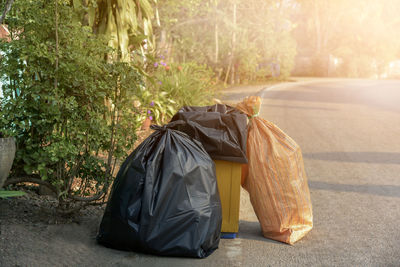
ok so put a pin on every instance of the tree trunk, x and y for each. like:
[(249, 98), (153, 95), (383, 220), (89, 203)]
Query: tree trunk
[(233, 45), (216, 43), (7, 8), (216, 35), (230, 73), (317, 23), (57, 48)]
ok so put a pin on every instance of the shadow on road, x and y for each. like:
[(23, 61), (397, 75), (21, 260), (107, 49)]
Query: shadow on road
[(252, 231), (362, 157), (238, 96), (299, 107), (383, 94), (379, 190)]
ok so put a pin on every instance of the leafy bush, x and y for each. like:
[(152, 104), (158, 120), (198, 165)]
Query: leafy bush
[(69, 108), (187, 84), (157, 106), (172, 86)]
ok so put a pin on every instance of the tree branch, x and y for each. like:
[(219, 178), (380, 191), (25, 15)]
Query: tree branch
[(79, 207), (7, 8), (87, 199), (30, 179), (57, 48)]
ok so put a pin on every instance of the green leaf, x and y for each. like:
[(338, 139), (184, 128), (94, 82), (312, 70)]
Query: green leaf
[(137, 39), (146, 8), (7, 193), (92, 15), (157, 114), (77, 4)]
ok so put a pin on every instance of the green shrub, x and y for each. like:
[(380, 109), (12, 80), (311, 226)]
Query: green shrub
[(187, 84), (69, 108), (172, 86), (156, 106)]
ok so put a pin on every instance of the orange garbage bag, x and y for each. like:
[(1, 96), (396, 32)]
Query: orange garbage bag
[(275, 178)]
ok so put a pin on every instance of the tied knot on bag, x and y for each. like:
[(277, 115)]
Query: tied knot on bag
[(165, 127), (158, 127), (251, 106), (254, 115)]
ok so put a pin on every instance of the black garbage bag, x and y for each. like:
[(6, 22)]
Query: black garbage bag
[(165, 199), (221, 129)]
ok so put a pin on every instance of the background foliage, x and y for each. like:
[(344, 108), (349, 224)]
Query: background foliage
[(363, 35), (239, 40)]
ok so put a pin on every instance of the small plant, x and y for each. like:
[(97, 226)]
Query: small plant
[(170, 87), (187, 84), (158, 107)]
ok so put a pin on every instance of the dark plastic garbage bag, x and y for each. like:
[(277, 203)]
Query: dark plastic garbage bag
[(165, 199), (221, 129)]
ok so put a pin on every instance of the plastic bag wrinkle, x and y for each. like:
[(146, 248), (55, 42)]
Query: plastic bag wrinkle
[(275, 178), (221, 129), (156, 215)]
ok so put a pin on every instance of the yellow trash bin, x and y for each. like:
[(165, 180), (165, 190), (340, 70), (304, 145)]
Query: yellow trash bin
[(228, 180)]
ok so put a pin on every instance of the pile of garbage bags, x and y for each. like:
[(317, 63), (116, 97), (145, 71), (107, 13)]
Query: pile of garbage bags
[(165, 198)]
